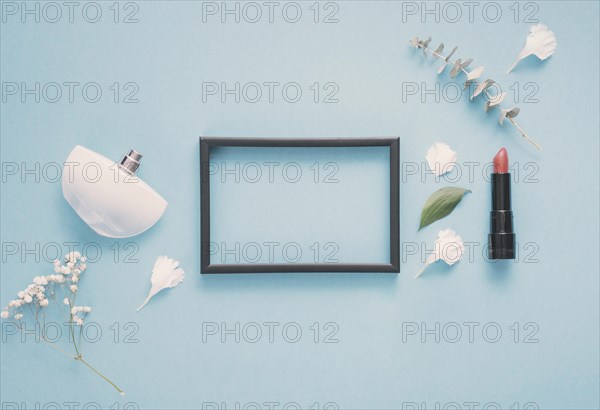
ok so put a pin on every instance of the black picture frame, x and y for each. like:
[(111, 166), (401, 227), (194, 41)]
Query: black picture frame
[(207, 142)]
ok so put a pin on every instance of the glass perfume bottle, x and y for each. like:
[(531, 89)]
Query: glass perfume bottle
[(108, 196)]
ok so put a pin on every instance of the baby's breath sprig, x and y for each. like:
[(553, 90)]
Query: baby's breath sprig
[(37, 296), (458, 67)]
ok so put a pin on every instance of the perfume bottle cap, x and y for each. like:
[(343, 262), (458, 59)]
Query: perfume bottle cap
[(131, 161)]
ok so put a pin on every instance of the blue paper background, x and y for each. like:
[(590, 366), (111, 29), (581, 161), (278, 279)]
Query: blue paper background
[(169, 53), (300, 205)]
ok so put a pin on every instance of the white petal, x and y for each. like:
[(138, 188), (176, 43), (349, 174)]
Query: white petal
[(165, 274), (540, 42), (441, 158), (449, 247)]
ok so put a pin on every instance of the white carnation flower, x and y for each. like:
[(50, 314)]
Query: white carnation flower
[(449, 247), (440, 158)]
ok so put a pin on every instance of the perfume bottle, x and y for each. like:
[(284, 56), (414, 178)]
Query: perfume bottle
[(109, 196)]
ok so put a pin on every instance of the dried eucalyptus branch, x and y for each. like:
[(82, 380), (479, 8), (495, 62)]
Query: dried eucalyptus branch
[(459, 66)]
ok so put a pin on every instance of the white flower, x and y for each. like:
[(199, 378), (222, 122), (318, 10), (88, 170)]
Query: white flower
[(165, 274), (74, 288), (448, 246), (83, 259), (4, 314), (74, 278), (76, 271), (78, 320), (40, 280), (57, 268), (77, 309), (21, 294), (64, 270), (27, 298), (72, 256), (540, 42), (44, 302), (18, 316), (56, 262), (66, 301), (440, 158)]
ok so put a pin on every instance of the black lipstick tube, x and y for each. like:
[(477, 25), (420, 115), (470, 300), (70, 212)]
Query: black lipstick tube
[(501, 240)]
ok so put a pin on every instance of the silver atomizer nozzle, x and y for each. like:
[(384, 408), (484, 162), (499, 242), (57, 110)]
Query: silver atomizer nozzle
[(131, 162)]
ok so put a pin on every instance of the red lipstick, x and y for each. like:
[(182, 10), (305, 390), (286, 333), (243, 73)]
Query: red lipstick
[(501, 240), (501, 162)]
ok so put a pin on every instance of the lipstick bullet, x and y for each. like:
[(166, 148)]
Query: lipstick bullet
[(501, 240)]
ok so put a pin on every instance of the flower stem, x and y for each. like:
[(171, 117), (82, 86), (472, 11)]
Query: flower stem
[(100, 374), (532, 142), (52, 345), (79, 357), (71, 330)]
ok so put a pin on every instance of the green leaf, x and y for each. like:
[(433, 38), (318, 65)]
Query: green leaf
[(440, 204)]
